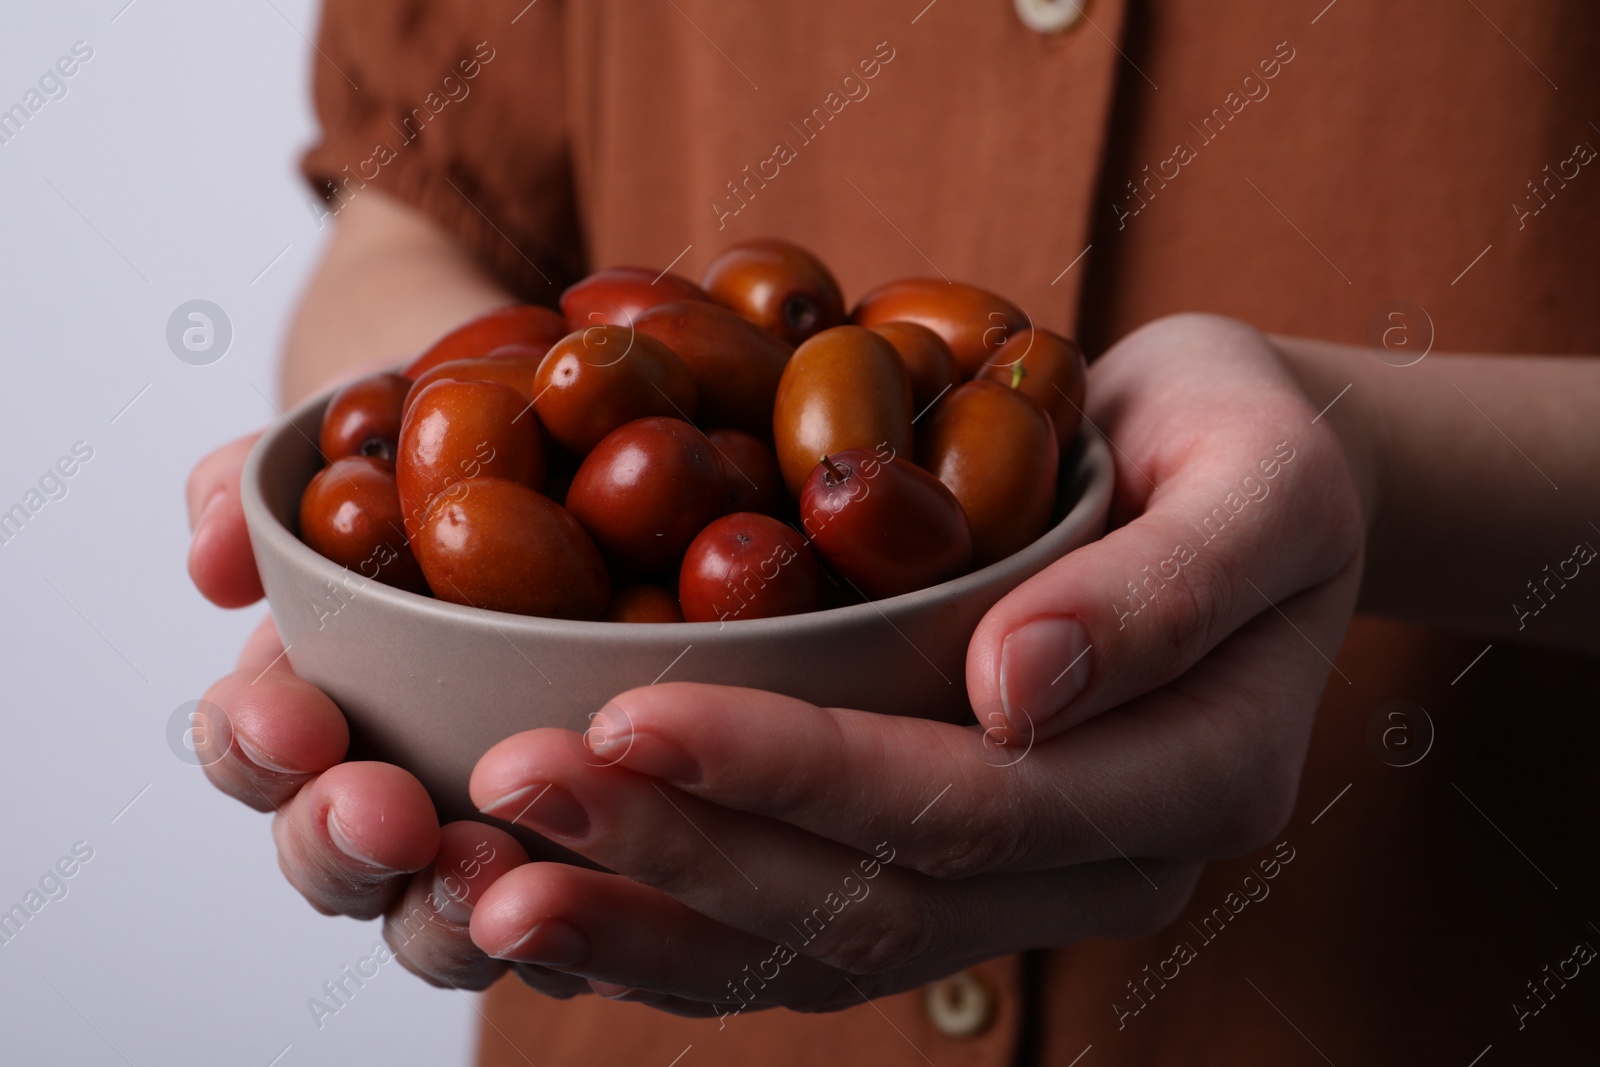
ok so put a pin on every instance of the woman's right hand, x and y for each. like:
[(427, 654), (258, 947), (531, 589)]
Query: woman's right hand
[(360, 839)]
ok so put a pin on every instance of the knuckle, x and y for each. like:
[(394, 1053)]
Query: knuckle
[(1255, 813), (991, 844), (881, 941)]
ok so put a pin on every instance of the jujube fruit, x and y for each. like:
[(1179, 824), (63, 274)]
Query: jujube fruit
[(747, 566), (350, 513), (996, 451), (363, 418), (751, 470), (645, 490), (643, 603), (519, 324), (884, 524), (735, 363), (777, 285), (594, 380), (619, 295), (502, 546), (458, 431), (928, 361), (973, 322), (1054, 375), (844, 388)]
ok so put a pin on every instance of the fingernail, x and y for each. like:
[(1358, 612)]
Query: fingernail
[(255, 756), (551, 943), (451, 906), (1044, 666), (544, 807), (208, 509), (652, 755), (342, 842)]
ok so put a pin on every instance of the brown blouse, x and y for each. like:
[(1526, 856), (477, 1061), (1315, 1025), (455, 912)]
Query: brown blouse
[(1309, 167)]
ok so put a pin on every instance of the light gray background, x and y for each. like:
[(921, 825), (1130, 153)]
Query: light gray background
[(172, 160)]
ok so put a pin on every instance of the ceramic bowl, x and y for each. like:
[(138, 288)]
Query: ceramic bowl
[(430, 685)]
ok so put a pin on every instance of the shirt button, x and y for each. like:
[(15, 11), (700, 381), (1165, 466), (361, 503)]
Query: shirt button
[(1050, 16), (959, 1006)]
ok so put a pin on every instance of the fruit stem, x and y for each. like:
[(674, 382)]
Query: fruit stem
[(1018, 372), (834, 475)]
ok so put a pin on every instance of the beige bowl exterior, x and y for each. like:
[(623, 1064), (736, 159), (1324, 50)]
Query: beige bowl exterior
[(431, 686)]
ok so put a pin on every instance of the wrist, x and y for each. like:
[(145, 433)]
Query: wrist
[(1334, 381)]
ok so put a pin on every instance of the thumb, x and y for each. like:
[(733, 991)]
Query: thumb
[(1224, 538)]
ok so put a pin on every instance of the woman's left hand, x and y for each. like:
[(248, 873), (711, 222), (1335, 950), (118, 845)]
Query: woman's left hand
[(1144, 705)]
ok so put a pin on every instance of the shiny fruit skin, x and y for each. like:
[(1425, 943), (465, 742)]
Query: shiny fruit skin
[(513, 365), (972, 321), (844, 388), (502, 546), (363, 418), (458, 431), (594, 380), (996, 451), (928, 361), (1056, 376), (350, 513), (750, 468), (619, 295), (645, 490), (779, 286), (643, 603), (883, 524), (736, 365), (519, 324), (747, 566)]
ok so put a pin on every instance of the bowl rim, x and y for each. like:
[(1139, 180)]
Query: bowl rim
[(1092, 466)]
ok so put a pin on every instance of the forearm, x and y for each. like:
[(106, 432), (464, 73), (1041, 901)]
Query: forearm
[(1481, 484), (390, 283)]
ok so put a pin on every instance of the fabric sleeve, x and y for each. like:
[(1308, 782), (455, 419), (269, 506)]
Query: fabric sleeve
[(457, 108)]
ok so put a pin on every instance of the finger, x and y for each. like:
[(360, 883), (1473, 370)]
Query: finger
[(275, 733), (428, 926), (221, 562), (263, 649), (627, 939), (778, 883), (1250, 504), (350, 840), (1207, 766)]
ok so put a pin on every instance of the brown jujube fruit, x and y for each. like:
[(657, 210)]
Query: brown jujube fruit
[(363, 418), (644, 492), (502, 546), (1055, 375), (996, 451), (519, 324), (735, 363), (747, 566), (594, 380), (844, 388), (514, 365), (643, 603), (777, 285), (883, 523), (928, 361), (617, 296), (973, 322), (751, 469), (350, 513), (458, 431)]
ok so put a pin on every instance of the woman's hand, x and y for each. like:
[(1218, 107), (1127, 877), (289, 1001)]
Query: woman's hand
[(1144, 705), (358, 839)]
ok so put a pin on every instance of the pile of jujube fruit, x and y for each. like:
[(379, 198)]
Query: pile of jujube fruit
[(662, 451)]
